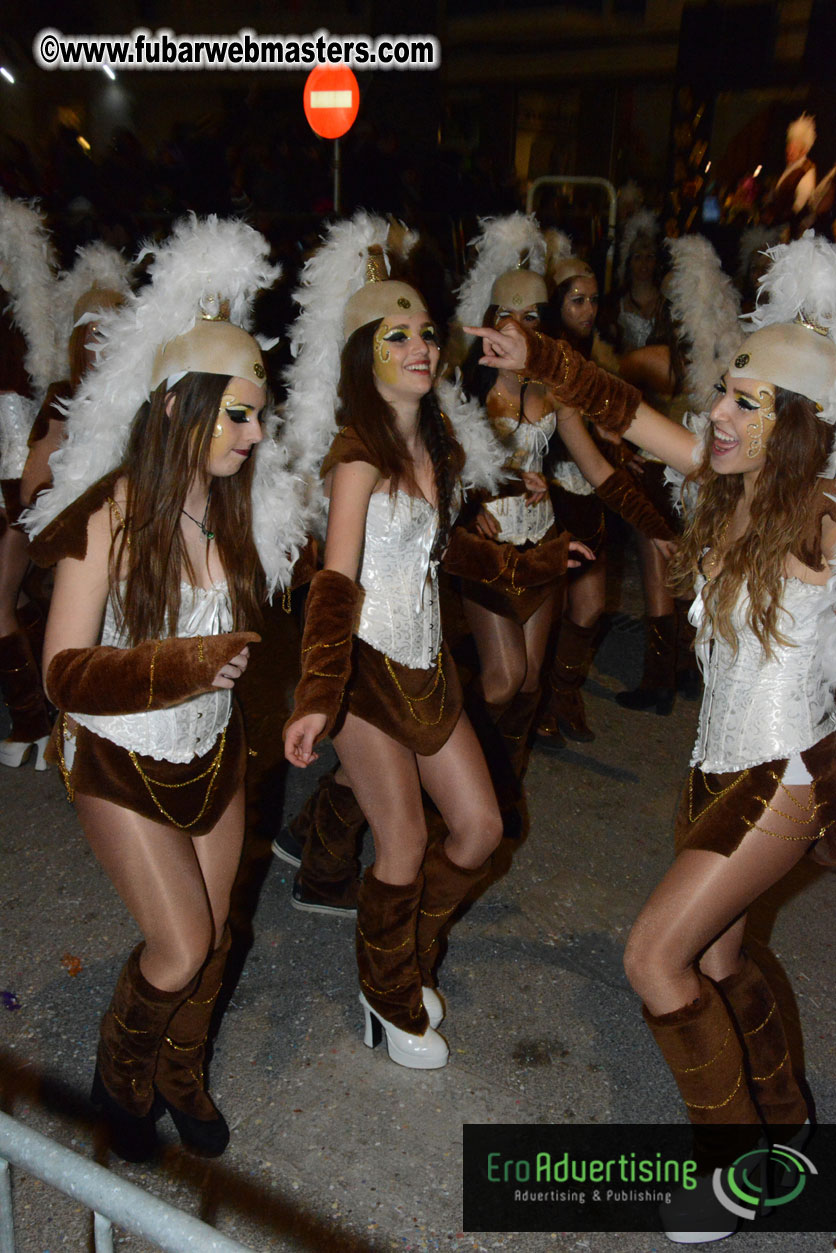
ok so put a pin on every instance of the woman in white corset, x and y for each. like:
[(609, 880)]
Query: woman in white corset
[(157, 523), (762, 787), (375, 672)]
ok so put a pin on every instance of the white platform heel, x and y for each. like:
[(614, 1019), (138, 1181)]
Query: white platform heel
[(15, 753), (418, 1052), (434, 1005)]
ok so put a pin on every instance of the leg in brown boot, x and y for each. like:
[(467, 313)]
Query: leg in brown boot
[(130, 1037), (329, 828), (20, 684), (515, 724), (445, 887), (390, 978), (658, 682), (564, 711), (179, 1078), (755, 1009)]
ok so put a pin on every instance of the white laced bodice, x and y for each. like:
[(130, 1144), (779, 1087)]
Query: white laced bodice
[(17, 415), (757, 709), (635, 330), (400, 615), (526, 443), (184, 731)]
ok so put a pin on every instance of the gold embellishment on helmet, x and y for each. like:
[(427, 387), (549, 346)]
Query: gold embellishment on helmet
[(741, 361), (376, 265), (811, 326), (213, 309), (517, 300), (258, 370), (403, 303)]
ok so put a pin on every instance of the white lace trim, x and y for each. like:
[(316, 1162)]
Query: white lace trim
[(17, 415)]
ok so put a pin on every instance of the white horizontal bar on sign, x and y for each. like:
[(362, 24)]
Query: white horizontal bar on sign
[(331, 99)]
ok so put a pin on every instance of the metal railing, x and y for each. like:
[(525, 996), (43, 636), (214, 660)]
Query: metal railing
[(582, 180), (112, 1200)]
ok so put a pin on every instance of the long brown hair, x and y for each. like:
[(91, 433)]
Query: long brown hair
[(784, 520), (363, 408), (165, 452)]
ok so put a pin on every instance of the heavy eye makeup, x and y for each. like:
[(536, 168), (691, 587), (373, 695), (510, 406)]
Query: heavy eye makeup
[(743, 400), (400, 335), (237, 411)]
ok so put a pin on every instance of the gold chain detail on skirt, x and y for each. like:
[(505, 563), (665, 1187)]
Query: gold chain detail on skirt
[(211, 771), (411, 701)]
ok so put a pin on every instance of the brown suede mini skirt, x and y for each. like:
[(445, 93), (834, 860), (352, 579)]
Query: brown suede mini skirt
[(717, 810), (191, 796), (418, 708), (521, 603)]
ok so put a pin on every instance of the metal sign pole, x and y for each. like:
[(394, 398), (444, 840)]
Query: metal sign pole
[(337, 196)]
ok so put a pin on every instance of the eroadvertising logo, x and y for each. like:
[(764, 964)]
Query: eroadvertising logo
[(636, 1177), (762, 1179)]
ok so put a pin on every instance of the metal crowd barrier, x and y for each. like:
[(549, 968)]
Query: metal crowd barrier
[(112, 1200)]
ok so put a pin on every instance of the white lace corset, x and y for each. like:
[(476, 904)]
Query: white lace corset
[(17, 414), (187, 730), (400, 615), (635, 330), (526, 443), (755, 708)]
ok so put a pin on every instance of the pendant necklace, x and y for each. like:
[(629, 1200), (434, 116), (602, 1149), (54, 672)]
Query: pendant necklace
[(207, 534)]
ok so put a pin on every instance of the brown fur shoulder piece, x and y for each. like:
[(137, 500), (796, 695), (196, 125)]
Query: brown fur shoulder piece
[(347, 446), (66, 535)]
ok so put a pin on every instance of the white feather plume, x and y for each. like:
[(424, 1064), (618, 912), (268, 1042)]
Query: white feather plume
[(500, 246), (642, 222), (484, 454), (200, 261), (29, 267), (96, 265), (684, 499), (801, 282), (282, 511), (706, 305), (558, 247), (329, 278)]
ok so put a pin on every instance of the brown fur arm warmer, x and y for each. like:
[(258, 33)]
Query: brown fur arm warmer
[(621, 493), (330, 617), (573, 380), (474, 556), (153, 675)]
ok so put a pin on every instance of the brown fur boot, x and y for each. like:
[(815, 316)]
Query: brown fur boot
[(390, 980), (514, 724), (329, 828), (445, 887), (755, 1009), (658, 682), (179, 1077), (130, 1036), (700, 1045), (564, 711)]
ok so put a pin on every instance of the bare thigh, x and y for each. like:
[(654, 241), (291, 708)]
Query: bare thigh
[(458, 780), (177, 896), (384, 778), (501, 645), (699, 906), (536, 633), (14, 562)]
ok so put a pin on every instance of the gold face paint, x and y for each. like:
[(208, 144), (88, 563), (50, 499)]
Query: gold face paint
[(757, 430), (388, 363)]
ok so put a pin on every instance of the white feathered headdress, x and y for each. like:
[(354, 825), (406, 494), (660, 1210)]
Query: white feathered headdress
[(642, 224), (96, 265), (202, 263), (706, 306), (753, 240), (29, 268), (503, 244), (329, 279)]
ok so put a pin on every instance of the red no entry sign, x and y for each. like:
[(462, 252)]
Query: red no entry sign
[(332, 98)]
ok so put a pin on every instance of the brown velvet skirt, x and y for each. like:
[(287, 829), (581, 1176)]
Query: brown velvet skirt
[(418, 708), (717, 810), (584, 517), (520, 604), (194, 794)]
